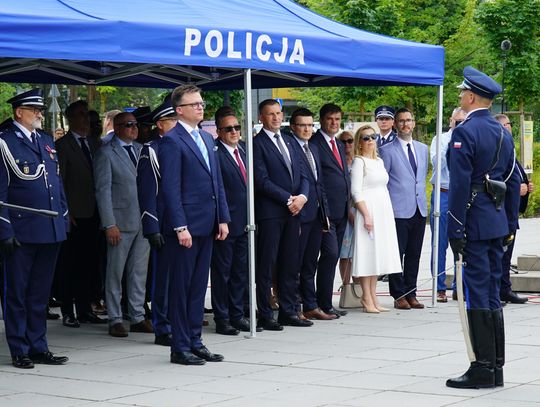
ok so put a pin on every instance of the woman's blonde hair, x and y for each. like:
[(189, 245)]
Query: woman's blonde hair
[(358, 144)]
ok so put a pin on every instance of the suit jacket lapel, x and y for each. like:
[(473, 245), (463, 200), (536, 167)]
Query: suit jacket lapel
[(231, 161), (326, 148), (73, 142), (123, 154), (274, 148), (404, 158), (186, 138)]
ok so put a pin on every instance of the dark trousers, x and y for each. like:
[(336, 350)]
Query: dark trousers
[(277, 246), (310, 242), (330, 249), (482, 273), (229, 276), (506, 285), (28, 275), (410, 234), (188, 279), (79, 269), (159, 291)]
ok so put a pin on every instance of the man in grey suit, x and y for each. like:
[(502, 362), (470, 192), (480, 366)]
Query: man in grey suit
[(116, 193), (406, 161)]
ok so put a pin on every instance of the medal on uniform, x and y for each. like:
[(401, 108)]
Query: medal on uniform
[(51, 151)]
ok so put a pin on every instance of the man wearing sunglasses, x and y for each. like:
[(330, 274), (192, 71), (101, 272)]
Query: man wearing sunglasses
[(151, 206), (384, 116), (29, 243), (195, 213), (116, 193)]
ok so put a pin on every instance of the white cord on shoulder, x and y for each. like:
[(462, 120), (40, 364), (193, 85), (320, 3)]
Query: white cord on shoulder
[(155, 166), (9, 162), (513, 167)]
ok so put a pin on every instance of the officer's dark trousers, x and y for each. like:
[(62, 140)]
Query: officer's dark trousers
[(28, 275), (506, 285), (159, 292)]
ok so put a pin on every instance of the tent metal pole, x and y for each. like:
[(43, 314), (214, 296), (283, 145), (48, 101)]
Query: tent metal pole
[(251, 201), (437, 199)]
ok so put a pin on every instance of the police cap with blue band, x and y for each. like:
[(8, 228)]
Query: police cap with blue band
[(479, 83), (163, 110), (32, 98)]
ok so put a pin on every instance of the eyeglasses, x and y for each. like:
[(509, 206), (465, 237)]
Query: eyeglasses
[(196, 105), (129, 124), (35, 110), (384, 118), (348, 141), (458, 122), (405, 121), (230, 129), (304, 125), (507, 124), (367, 138)]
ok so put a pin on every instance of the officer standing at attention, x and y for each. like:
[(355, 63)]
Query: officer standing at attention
[(29, 243), (151, 207), (480, 153)]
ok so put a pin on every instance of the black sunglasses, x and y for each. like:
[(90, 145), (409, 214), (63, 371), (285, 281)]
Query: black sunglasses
[(129, 124), (348, 141), (367, 138), (229, 129)]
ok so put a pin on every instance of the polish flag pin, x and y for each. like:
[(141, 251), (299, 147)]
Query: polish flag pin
[(457, 144)]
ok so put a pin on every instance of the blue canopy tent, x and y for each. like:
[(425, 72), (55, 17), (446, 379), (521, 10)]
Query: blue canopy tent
[(214, 44)]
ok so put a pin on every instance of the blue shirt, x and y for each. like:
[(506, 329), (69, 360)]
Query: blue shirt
[(445, 176)]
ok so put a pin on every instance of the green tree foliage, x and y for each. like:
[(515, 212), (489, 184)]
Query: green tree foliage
[(7, 91)]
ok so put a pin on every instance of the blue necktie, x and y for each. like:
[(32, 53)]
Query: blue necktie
[(129, 149), (200, 143), (411, 158)]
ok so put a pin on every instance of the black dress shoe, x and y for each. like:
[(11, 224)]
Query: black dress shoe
[(225, 328), (163, 340), (70, 321), (294, 320), (22, 362), (476, 377), (269, 324), (47, 358), (91, 318), (205, 354), (513, 298), (186, 358), (52, 315), (338, 313), (242, 325)]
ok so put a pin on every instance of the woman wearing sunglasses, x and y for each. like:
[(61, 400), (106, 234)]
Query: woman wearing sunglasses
[(376, 249)]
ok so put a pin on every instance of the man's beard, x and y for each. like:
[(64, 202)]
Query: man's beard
[(405, 135), (36, 124)]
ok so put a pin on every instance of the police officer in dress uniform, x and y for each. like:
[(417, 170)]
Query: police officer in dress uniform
[(150, 202), (29, 243), (477, 223), (384, 116)]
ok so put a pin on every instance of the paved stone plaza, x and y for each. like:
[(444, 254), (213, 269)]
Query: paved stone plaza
[(400, 358)]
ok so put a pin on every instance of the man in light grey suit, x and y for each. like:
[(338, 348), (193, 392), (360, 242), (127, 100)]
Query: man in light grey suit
[(116, 193), (406, 161)]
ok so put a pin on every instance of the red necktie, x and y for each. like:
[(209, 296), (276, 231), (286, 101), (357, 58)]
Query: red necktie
[(336, 153), (240, 164)]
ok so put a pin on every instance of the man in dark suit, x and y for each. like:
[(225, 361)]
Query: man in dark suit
[(313, 217), (80, 267), (151, 206), (406, 161), (230, 256), (384, 116), (477, 224), (29, 243), (513, 210), (281, 188), (116, 194), (337, 184), (195, 212)]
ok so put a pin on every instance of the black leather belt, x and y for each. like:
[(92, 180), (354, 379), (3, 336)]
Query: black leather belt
[(478, 188)]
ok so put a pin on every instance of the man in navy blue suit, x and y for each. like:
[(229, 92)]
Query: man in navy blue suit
[(480, 149), (337, 184), (195, 212), (151, 207), (29, 244), (229, 272), (281, 188), (313, 217)]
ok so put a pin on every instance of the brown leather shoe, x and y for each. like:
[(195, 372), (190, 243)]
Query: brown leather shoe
[(301, 316), (118, 330), (145, 326), (441, 296), (317, 313), (402, 303), (413, 302)]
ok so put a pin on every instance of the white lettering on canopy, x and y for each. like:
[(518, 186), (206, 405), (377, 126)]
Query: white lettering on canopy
[(214, 46)]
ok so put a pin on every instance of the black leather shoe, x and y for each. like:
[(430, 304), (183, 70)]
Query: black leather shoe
[(205, 354), (476, 377), (91, 318), (47, 358), (269, 324), (52, 315), (513, 298), (225, 328), (242, 325), (22, 362), (294, 320), (186, 358), (338, 313), (70, 321), (163, 340)]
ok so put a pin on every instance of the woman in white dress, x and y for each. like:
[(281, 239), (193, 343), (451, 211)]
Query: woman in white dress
[(376, 248)]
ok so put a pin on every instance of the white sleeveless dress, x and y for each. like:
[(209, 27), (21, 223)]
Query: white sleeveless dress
[(376, 253)]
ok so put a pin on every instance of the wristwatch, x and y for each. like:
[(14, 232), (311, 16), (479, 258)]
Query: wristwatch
[(180, 229)]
